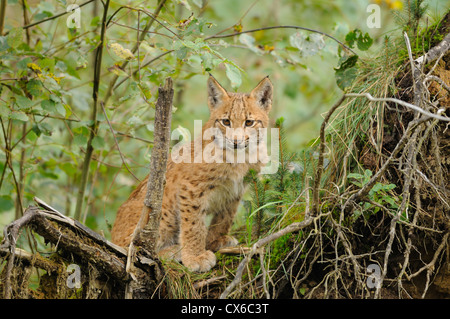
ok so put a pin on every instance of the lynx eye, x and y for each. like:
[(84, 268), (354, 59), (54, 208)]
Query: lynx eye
[(249, 122), (226, 122)]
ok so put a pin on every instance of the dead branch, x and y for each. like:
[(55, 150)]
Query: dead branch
[(319, 169), (435, 52), (67, 235), (308, 220), (145, 235)]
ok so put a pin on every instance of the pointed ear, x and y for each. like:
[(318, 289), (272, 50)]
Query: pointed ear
[(216, 93), (263, 93)]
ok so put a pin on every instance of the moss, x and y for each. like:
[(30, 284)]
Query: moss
[(427, 38), (281, 247)]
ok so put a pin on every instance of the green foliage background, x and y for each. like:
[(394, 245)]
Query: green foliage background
[(46, 79)]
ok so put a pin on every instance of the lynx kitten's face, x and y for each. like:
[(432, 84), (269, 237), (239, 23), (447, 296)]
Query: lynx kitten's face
[(236, 119)]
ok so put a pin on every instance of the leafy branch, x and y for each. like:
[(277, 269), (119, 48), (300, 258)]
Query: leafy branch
[(218, 36), (94, 127)]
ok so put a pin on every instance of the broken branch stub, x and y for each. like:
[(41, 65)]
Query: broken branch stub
[(155, 185), (145, 235)]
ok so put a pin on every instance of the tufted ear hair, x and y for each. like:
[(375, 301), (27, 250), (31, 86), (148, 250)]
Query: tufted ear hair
[(263, 94), (216, 93)]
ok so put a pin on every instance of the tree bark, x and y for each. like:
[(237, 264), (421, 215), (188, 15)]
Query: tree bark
[(142, 253)]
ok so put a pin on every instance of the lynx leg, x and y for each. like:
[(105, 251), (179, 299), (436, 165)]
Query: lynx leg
[(220, 226), (193, 239), (171, 253)]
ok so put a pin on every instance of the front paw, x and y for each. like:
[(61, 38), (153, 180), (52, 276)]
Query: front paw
[(200, 263), (170, 253), (222, 242)]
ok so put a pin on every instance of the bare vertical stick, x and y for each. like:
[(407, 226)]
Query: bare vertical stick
[(160, 153), (2, 15), (146, 232)]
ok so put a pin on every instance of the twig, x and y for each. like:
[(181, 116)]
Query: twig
[(368, 186), (319, 169), (430, 266), (413, 68), (200, 284), (438, 80), (94, 126), (11, 233), (25, 20), (53, 17), (264, 273), (403, 103), (134, 137), (143, 66), (362, 192), (417, 184), (281, 27), (2, 15), (237, 250), (117, 144), (435, 52), (408, 176), (264, 241), (153, 16)]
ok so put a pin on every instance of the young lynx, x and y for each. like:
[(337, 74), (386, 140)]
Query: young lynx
[(209, 184)]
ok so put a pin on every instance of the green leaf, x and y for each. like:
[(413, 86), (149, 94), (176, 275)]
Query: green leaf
[(23, 103), (34, 87), (4, 44), (60, 109), (32, 136), (79, 140), (364, 42), (69, 168), (368, 173), (98, 142), (68, 110), (135, 121), (54, 107), (345, 78), (4, 111), (47, 64), (234, 75), (349, 62), (346, 72), (20, 116), (351, 37), (48, 105), (45, 128), (249, 41), (6, 203), (23, 64), (145, 89), (14, 37)]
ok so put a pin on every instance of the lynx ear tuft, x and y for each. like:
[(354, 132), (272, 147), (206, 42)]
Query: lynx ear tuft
[(216, 93), (263, 94)]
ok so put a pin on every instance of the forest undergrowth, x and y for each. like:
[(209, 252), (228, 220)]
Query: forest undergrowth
[(363, 211), (381, 225)]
